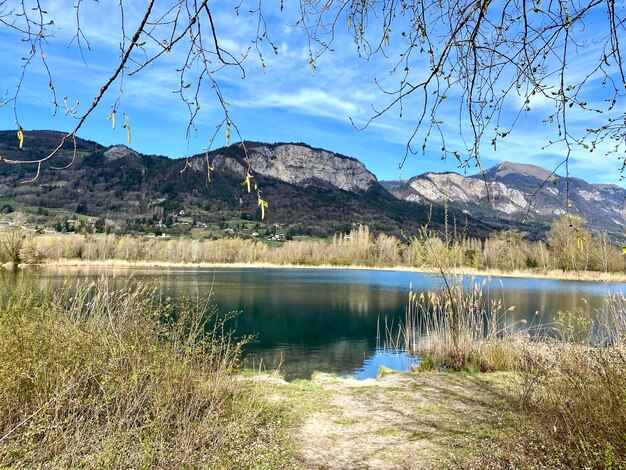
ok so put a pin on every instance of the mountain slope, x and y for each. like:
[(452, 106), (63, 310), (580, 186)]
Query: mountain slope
[(522, 194), (309, 188)]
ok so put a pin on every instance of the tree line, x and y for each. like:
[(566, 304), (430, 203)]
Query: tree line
[(568, 247)]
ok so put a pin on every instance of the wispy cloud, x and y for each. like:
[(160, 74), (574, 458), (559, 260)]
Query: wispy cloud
[(312, 102), (315, 108)]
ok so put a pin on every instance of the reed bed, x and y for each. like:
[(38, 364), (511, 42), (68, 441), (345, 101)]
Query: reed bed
[(91, 376), (461, 329), (569, 382), (505, 252)]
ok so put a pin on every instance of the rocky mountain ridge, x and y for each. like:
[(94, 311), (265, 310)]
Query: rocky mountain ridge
[(314, 190), (300, 164), (523, 192), (305, 186)]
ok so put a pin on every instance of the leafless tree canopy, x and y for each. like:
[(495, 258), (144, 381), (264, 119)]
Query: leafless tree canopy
[(485, 57), (493, 57)]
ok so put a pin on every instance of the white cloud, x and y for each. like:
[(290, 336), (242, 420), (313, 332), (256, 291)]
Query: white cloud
[(343, 87), (313, 102)]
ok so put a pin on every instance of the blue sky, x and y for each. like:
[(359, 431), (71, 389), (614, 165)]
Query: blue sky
[(283, 103)]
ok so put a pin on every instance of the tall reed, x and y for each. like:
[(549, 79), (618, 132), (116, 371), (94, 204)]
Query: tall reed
[(507, 251), (460, 328)]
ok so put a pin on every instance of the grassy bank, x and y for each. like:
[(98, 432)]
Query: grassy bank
[(91, 377), (95, 377), (505, 253)]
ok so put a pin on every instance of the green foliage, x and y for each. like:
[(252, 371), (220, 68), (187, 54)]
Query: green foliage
[(427, 363)]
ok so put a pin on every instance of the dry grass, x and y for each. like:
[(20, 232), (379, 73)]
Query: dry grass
[(461, 329), (359, 249), (573, 399), (94, 377), (572, 395)]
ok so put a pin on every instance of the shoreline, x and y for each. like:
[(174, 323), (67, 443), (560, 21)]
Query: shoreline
[(588, 276)]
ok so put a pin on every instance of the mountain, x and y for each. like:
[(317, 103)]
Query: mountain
[(519, 194), (393, 184), (311, 190), (302, 165)]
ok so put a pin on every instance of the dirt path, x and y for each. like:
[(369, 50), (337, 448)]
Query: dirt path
[(401, 421)]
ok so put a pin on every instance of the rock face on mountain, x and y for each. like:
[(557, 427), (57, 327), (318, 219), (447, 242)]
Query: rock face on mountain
[(301, 165), (456, 188), (517, 192), (314, 191), (119, 151), (304, 186)]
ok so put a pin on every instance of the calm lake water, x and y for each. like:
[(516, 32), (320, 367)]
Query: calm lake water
[(325, 320)]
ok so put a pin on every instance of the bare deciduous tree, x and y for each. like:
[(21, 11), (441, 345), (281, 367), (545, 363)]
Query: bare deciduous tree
[(568, 240), (12, 241), (492, 56), (488, 57)]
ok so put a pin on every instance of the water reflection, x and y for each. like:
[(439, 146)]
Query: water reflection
[(325, 320), (394, 360)]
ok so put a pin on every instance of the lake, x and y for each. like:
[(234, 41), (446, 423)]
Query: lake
[(326, 320)]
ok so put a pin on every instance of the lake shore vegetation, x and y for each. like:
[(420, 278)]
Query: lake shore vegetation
[(570, 377), (91, 376), (96, 376), (572, 252)]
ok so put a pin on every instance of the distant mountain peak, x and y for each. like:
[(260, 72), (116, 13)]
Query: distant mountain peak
[(504, 169), (513, 193)]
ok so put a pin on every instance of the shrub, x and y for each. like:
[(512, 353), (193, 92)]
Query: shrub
[(574, 408), (96, 377)]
